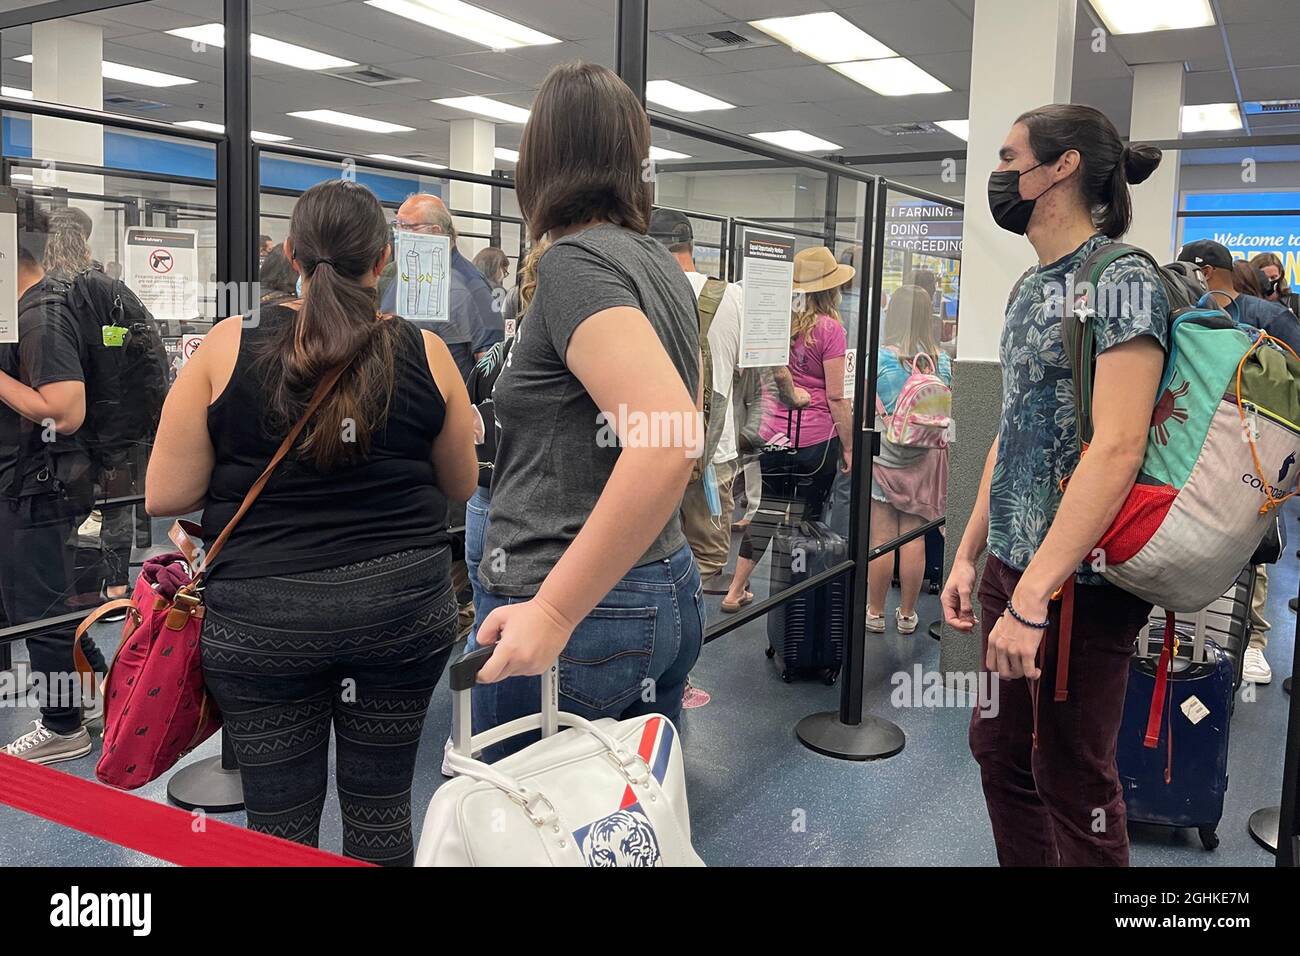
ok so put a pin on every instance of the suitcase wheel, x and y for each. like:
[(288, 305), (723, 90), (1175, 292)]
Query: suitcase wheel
[(831, 678), (1209, 838), (935, 587), (787, 677), (770, 651)]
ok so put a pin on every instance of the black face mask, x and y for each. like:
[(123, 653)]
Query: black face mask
[(1010, 210), (1268, 285)]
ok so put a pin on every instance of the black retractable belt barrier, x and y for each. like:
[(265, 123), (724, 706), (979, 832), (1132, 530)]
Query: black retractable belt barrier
[(1269, 823)]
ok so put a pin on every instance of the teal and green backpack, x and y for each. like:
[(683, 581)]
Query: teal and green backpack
[(1222, 451)]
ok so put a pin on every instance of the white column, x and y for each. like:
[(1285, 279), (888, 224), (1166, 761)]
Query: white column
[(473, 145), (66, 58), (1022, 57), (1157, 112)]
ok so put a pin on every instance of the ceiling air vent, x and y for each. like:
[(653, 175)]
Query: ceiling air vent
[(906, 129), (371, 76), (723, 38), (119, 102)]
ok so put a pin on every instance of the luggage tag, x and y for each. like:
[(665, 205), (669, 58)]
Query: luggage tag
[(114, 336), (710, 478)]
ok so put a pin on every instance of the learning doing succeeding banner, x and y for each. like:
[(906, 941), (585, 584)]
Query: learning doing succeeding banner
[(1247, 236)]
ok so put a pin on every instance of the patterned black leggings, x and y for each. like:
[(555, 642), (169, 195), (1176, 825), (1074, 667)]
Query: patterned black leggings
[(361, 646)]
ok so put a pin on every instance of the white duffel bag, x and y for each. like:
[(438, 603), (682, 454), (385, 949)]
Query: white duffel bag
[(601, 793)]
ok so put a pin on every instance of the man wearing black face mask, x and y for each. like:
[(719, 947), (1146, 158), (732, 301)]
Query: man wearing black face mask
[(1215, 263), (1047, 756)]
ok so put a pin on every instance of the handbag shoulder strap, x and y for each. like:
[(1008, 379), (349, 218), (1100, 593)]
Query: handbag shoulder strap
[(322, 392)]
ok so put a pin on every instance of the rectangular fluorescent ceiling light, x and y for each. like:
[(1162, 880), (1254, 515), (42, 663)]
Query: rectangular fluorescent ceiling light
[(218, 128), (797, 140), (484, 106), (131, 74), (896, 77), (21, 177), (16, 92), (351, 121), (658, 154), (1211, 116), (406, 162), (468, 22), (959, 128), (1147, 16), (507, 155), (683, 99), (826, 37), (265, 48)]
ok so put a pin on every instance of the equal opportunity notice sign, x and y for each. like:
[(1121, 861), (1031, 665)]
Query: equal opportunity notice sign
[(162, 268)]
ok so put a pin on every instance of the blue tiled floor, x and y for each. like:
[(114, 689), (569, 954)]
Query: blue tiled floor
[(759, 797)]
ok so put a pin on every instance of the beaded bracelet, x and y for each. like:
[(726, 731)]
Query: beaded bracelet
[(1025, 621)]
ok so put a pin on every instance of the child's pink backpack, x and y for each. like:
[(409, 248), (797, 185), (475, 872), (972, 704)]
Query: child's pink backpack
[(922, 416)]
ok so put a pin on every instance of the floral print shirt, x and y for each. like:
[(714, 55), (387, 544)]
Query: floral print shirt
[(1037, 446)]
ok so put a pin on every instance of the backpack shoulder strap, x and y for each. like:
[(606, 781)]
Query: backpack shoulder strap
[(1078, 333), (708, 303)]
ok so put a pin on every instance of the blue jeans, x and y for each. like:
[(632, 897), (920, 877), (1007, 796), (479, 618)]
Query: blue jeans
[(476, 522), (630, 656)]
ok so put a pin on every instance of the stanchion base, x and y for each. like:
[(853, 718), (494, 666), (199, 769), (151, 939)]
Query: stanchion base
[(873, 739), (1263, 827), (1286, 686), (936, 630), (204, 785)]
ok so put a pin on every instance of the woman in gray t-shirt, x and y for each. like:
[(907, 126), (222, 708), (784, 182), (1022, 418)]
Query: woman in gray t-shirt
[(584, 556)]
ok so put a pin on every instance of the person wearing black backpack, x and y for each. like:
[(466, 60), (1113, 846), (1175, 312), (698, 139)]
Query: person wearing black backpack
[(46, 487), (1047, 753)]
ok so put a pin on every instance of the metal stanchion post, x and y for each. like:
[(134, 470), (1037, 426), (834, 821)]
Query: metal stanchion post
[(1265, 824), (847, 733)]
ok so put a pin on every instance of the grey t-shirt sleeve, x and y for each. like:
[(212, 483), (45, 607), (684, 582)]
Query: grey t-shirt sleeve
[(575, 283)]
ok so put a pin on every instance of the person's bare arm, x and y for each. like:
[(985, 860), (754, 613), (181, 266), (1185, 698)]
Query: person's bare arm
[(1123, 400), (180, 464), (790, 394), (622, 364), (61, 403), (958, 610), (455, 462), (841, 407)]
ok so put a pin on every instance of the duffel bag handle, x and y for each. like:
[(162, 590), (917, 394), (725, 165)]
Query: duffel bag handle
[(463, 677)]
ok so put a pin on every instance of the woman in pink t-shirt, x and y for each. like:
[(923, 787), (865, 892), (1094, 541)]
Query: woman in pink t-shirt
[(808, 444)]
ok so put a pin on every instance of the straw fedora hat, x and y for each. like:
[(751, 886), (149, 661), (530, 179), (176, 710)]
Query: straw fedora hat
[(816, 270)]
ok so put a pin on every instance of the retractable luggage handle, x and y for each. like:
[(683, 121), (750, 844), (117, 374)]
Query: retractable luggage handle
[(463, 677)]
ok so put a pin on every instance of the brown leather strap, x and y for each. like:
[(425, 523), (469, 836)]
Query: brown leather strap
[(1063, 634), (78, 655), (322, 391)]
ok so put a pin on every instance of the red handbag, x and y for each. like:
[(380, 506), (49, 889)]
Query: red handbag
[(156, 707)]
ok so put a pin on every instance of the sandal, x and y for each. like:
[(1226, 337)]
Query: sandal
[(728, 608)]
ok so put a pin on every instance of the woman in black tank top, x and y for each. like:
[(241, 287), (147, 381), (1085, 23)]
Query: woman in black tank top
[(332, 602)]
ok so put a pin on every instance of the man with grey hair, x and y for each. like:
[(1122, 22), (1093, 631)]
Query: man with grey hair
[(475, 323)]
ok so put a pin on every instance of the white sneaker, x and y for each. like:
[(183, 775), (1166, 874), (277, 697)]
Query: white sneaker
[(44, 746), (1256, 669), (906, 625), (875, 622)]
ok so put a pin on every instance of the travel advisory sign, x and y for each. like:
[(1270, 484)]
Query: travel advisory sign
[(162, 268)]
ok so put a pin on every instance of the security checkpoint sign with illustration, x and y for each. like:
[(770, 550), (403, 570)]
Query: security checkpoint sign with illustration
[(423, 276)]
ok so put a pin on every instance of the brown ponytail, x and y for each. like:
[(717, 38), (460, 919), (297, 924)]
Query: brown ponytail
[(338, 234)]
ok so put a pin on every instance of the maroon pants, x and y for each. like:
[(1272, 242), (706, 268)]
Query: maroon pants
[(1060, 803)]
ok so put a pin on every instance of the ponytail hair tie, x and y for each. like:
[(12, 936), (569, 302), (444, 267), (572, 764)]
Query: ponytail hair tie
[(324, 260)]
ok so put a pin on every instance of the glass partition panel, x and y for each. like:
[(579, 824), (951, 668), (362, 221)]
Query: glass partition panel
[(920, 244), (784, 484), (90, 226)]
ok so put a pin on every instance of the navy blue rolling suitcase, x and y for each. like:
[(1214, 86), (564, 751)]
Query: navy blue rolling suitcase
[(806, 634), (1181, 780)]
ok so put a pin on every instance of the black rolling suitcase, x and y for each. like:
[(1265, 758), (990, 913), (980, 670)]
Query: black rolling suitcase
[(806, 634)]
